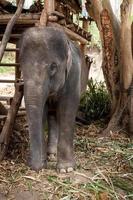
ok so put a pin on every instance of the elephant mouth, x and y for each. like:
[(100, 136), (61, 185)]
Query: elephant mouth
[(52, 94)]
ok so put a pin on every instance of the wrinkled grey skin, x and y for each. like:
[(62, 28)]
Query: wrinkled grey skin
[(51, 67)]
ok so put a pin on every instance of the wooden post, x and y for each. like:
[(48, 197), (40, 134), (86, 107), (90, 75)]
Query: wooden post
[(10, 120), (49, 7), (17, 68), (17, 2), (85, 27)]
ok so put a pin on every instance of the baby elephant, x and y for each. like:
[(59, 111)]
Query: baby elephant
[(51, 67)]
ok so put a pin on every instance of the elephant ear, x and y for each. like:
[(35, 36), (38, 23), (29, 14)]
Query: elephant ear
[(69, 59)]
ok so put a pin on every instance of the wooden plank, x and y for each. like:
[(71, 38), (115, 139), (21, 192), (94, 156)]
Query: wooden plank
[(2, 117), (14, 36), (7, 81), (9, 64), (5, 98), (12, 50)]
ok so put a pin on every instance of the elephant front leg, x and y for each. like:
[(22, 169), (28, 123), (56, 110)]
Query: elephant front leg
[(34, 107), (66, 118), (52, 135)]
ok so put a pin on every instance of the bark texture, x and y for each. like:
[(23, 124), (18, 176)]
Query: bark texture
[(117, 57), (126, 42)]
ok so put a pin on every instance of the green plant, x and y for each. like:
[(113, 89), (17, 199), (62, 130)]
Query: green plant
[(95, 40), (95, 102)]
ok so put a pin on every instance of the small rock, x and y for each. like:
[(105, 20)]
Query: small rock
[(26, 195)]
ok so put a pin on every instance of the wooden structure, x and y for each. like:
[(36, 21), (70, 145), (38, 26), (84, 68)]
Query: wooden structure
[(60, 13)]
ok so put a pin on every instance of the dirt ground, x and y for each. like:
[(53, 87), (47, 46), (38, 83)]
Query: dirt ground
[(104, 167)]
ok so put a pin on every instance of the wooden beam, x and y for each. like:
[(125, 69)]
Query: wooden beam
[(71, 34), (52, 18), (75, 36), (12, 50), (7, 99), (2, 117), (23, 18), (9, 64), (7, 81), (14, 36)]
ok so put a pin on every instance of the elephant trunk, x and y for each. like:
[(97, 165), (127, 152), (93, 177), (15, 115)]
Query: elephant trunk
[(35, 99)]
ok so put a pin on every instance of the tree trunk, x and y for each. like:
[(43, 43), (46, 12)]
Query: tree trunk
[(116, 57)]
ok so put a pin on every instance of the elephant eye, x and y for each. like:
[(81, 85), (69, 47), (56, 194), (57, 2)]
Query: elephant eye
[(53, 68)]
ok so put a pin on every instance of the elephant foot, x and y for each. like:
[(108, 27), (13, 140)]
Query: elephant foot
[(52, 152), (65, 167), (67, 170), (36, 166), (52, 157)]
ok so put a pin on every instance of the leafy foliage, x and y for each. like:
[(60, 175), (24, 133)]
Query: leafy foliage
[(95, 102), (95, 40)]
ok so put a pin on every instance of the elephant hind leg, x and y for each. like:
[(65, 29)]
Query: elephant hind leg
[(66, 118), (52, 135)]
